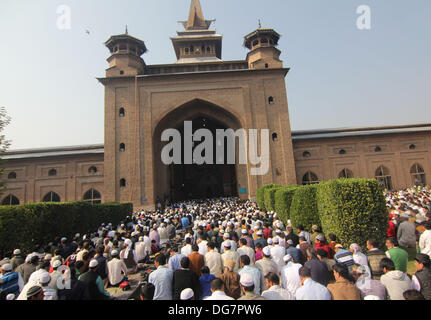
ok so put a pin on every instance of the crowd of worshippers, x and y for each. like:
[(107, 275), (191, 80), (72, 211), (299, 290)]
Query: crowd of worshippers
[(227, 249)]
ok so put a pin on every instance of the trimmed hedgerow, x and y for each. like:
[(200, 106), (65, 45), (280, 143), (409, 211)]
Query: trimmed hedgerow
[(269, 197), (40, 223), (260, 195), (303, 209), (353, 209), (283, 199)]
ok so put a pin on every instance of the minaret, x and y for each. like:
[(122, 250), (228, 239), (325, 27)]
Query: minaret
[(125, 59), (263, 52), (197, 43)]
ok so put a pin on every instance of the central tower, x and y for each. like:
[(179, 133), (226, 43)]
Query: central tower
[(197, 43)]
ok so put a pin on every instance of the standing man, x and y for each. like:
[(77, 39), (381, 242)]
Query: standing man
[(425, 239), (422, 279), (185, 278), (290, 274), (406, 235), (374, 256), (17, 259), (247, 288), (343, 289), (275, 292), (395, 281), (309, 289), (161, 278), (197, 261), (213, 260), (244, 249), (399, 256), (230, 255), (266, 265), (247, 268)]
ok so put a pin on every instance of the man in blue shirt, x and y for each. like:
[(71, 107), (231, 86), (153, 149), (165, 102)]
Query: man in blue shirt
[(311, 290), (174, 263), (162, 279), (294, 252), (253, 271)]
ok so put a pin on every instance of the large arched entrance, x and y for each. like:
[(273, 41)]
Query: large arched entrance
[(183, 181)]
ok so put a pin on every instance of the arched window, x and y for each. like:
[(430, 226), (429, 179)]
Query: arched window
[(345, 173), (192, 49), (418, 175), (11, 175), (310, 178), (306, 154), (208, 49), (10, 200), (412, 147), (93, 196), (271, 100), (377, 149), (122, 113), (266, 66), (264, 41), (342, 151), (52, 173), (51, 197), (384, 178), (92, 170), (255, 43), (122, 183), (274, 137), (122, 147)]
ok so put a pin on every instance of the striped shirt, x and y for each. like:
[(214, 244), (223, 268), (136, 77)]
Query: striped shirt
[(9, 283)]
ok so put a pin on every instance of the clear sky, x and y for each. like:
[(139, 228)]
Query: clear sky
[(340, 76)]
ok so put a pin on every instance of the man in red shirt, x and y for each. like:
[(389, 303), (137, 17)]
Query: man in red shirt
[(391, 232), (267, 232), (320, 243)]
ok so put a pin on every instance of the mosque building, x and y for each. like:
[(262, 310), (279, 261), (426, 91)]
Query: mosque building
[(143, 100)]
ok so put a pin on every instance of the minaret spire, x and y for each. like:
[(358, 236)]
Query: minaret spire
[(196, 19), (196, 16)]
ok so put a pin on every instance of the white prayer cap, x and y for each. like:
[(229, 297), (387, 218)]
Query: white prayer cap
[(114, 253), (287, 258), (226, 235), (7, 267), (17, 251), (244, 231), (275, 241), (290, 242), (141, 238), (246, 279), (56, 263), (10, 297), (269, 241), (93, 263), (256, 227), (260, 233), (63, 239), (45, 278), (266, 251), (128, 242), (227, 244), (187, 294)]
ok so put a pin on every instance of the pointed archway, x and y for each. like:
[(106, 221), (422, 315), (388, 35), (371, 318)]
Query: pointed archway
[(183, 181)]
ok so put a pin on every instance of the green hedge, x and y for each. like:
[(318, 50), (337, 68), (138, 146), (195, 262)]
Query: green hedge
[(260, 195), (283, 199), (303, 209), (269, 197), (353, 209), (40, 223)]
